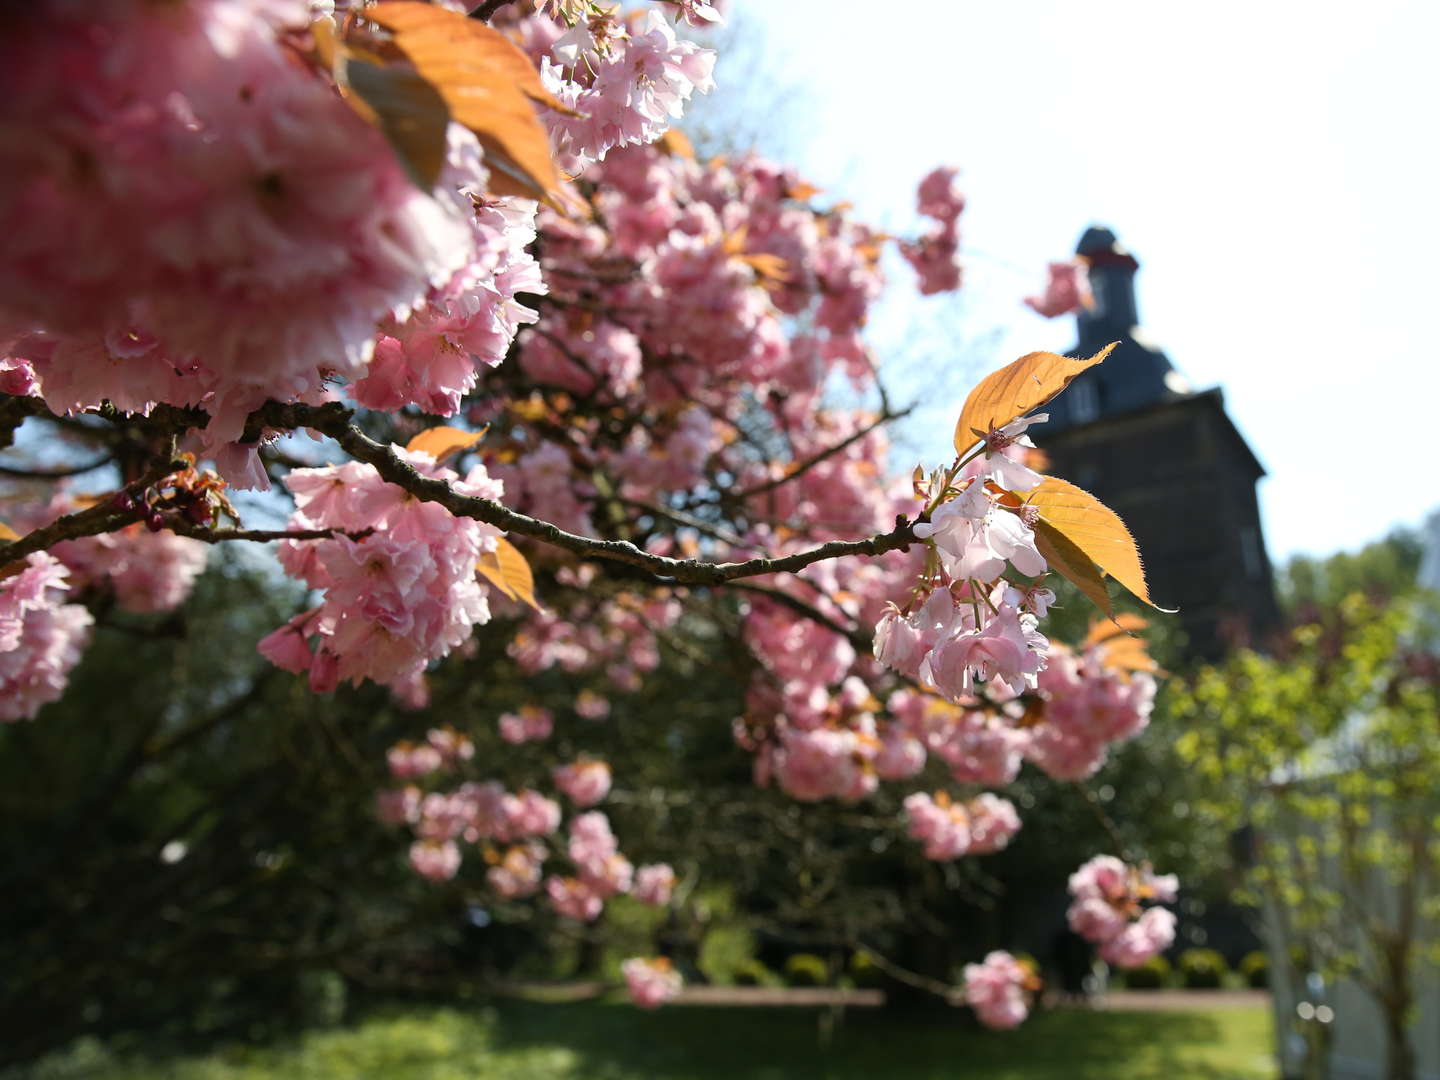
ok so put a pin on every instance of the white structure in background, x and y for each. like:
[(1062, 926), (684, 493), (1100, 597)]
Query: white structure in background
[(1346, 1014), (1429, 576)]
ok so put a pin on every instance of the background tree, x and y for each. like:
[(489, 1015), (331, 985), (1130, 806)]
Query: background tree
[(1327, 752)]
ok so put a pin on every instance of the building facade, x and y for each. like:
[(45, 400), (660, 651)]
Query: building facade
[(1169, 461)]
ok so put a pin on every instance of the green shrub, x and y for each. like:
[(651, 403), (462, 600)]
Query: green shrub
[(806, 969), (754, 973), (1255, 966), (322, 998), (1202, 969), (864, 972), (725, 951), (1151, 975)]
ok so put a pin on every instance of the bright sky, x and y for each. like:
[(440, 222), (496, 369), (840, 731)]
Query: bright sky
[(1274, 166)]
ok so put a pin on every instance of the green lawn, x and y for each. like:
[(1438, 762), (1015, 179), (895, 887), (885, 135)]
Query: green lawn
[(617, 1042)]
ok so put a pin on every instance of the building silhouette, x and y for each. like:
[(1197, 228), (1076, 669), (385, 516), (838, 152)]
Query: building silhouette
[(1168, 460)]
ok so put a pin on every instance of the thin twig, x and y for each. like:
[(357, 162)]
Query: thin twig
[(93, 520), (54, 474), (182, 527), (334, 420), (809, 463), (860, 640), (488, 8), (952, 994)]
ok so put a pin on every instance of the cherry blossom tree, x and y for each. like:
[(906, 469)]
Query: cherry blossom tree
[(453, 291)]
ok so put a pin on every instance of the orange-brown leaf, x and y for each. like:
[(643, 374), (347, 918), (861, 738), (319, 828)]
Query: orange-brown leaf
[(1095, 529), (444, 442), (10, 569), (404, 107), (676, 144), (1017, 389), (767, 267), (488, 84), (1127, 654), (1105, 629), (507, 570), (1071, 563)]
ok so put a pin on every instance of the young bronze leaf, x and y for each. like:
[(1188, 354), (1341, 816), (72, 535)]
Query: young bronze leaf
[(1105, 629), (675, 144), (444, 442), (1095, 529), (1015, 390), (768, 268), (1127, 654), (507, 570), (488, 84), (9, 535), (407, 110), (1072, 564)]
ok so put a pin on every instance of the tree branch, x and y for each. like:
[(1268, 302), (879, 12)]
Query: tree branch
[(809, 463), (334, 420), (183, 527), (488, 9), (93, 520), (54, 474), (394, 469)]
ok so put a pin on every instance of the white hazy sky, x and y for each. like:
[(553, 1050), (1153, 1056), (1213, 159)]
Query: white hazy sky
[(1275, 167)]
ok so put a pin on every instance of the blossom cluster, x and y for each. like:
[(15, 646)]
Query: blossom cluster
[(1089, 706), (1067, 289), (44, 631), (516, 832), (146, 571), (248, 235), (949, 829), (999, 990), (651, 982), (1107, 909), (244, 230), (41, 636), (935, 254), (624, 86), (395, 598)]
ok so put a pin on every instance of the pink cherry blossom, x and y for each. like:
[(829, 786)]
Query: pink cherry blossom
[(585, 782), (654, 884), (1067, 289), (244, 228), (651, 982), (1107, 909), (398, 806), (638, 84), (397, 598), (530, 724), (573, 898), (996, 990), (437, 860), (993, 822), (407, 760), (1152, 933), (941, 826), (901, 755), (518, 872), (41, 636)]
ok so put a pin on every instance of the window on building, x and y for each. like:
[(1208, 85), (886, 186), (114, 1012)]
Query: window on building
[(1084, 402), (1250, 551)]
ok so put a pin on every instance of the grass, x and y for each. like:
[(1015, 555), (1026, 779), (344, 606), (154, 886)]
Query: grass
[(531, 1041)]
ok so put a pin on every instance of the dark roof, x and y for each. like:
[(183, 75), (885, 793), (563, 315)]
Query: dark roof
[(1213, 399), (1137, 373)]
